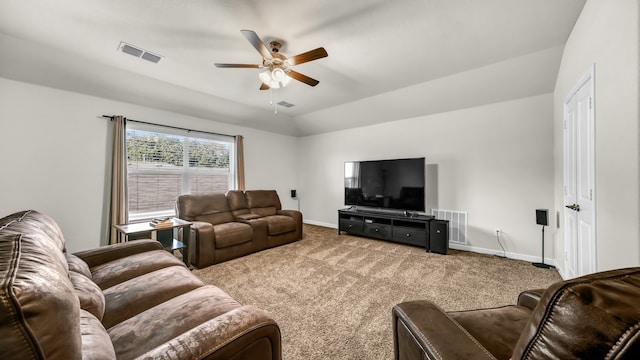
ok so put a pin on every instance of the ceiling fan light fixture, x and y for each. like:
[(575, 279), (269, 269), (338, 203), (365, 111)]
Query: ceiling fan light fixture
[(275, 69), (275, 78), (278, 75)]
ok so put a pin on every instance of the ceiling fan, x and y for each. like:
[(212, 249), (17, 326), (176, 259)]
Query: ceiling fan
[(276, 69)]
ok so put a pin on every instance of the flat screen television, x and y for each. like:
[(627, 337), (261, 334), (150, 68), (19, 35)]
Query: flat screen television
[(397, 184)]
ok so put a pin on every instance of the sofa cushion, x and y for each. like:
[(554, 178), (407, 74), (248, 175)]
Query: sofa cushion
[(123, 269), (33, 221), (262, 199), (169, 319), (245, 333), (248, 216), (96, 343), (482, 325), (237, 202), (78, 265), (37, 299), (232, 233), (217, 218), (280, 224), (264, 211), (90, 294), (211, 208), (134, 296)]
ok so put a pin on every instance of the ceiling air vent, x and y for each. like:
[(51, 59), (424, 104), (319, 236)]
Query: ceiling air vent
[(139, 53), (285, 104)]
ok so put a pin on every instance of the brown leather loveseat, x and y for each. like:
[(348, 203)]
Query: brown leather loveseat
[(126, 301), (238, 223), (591, 317)]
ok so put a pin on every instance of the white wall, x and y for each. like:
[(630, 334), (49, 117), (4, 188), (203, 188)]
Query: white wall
[(54, 149), (498, 162), (607, 34), (493, 161)]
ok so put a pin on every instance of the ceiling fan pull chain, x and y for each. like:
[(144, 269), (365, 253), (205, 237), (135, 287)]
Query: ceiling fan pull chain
[(275, 102)]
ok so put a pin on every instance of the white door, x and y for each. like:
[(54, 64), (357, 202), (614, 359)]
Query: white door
[(579, 177)]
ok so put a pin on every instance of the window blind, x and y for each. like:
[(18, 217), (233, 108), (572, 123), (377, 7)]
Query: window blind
[(163, 163)]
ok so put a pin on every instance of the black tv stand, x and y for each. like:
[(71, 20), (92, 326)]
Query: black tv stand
[(402, 227)]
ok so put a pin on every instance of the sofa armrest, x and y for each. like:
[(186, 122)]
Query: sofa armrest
[(422, 330), (201, 243), (297, 217), (530, 298), (202, 228), (246, 332), (259, 227), (295, 214), (104, 254)]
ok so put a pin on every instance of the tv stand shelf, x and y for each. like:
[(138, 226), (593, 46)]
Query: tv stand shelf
[(397, 227)]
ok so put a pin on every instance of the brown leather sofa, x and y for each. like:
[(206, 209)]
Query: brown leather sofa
[(282, 226), (238, 223), (591, 317), (124, 301)]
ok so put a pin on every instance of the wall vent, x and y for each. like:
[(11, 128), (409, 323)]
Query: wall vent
[(139, 53), (457, 224)]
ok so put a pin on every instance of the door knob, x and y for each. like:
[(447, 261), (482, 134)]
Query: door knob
[(574, 207)]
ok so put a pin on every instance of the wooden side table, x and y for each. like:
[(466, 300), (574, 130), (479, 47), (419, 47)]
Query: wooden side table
[(164, 234)]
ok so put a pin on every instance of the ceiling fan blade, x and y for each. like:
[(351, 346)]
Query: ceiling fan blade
[(264, 86), (250, 66), (304, 78), (257, 43), (308, 56)]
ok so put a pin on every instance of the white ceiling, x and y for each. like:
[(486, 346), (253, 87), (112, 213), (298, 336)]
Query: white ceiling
[(387, 60)]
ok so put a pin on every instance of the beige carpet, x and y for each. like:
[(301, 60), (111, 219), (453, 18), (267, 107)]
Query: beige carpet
[(332, 295)]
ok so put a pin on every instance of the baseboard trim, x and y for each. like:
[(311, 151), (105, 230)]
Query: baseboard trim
[(510, 255), (318, 223)]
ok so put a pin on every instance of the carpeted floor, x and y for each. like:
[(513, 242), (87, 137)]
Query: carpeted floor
[(332, 294)]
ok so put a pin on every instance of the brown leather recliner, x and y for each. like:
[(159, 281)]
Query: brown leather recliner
[(215, 236), (591, 317), (231, 225), (283, 226), (131, 300)]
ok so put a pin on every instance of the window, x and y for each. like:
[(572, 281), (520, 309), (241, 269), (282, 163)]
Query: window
[(163, 163)]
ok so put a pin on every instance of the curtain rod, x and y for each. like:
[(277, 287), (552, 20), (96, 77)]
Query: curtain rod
[(168, 126)]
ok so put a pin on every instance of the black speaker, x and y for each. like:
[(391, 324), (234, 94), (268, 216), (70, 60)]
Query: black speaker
[(542, 217), (439, 236), (293, 194)]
